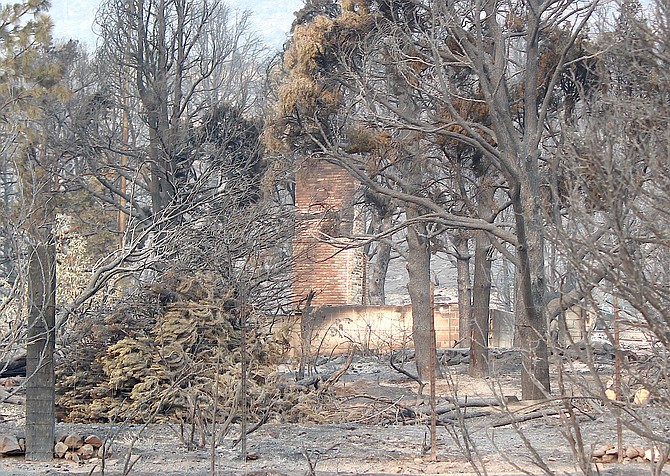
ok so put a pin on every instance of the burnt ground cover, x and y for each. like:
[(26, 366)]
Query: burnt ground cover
[(373, 422)]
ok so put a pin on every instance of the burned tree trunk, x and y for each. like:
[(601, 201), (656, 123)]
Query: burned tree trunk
[(481, 294), (377, 283), (462, 252), (418, 268), (531, 324)]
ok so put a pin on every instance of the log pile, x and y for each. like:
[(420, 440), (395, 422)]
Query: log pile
[(11, 445), (74, 448)]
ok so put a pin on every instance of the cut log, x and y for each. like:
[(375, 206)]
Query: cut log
[(631, 452), (94, 441), (60, 449), (609, 458), (599, 452), (74, 457), (86, 452), (642, 396), (74, 441), (104, 453)]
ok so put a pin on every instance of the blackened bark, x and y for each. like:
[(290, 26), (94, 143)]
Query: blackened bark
[(531, 324), (481, 292), (306, 332), (418, 244), (377, 282)]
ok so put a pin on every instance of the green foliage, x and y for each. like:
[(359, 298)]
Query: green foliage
[(25, 30), (28, 81)]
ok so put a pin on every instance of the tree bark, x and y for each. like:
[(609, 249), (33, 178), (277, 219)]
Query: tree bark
[(418, 268), (531, 317), (418, 244), (379, 268), (377, 283), (531, 324), (462, 250), (481, 295), (40, 385)]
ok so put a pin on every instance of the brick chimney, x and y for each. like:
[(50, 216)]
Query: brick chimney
[(324, 196)]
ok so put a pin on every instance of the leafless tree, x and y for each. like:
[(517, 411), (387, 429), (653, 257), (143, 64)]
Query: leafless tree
[(188, 171), (613, 184), (163, 69), (481, 77)]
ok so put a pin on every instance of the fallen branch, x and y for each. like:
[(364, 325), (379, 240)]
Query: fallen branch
[(333, 378), (407, 374), (467, 402), (407, 412), (464, 416), (264, 419), (511, 419), (390, 406), (9, 397)]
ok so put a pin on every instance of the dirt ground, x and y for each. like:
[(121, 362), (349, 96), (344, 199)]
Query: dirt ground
[(371, 442)]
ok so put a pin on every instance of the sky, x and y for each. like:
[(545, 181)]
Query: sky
[(270, 18)]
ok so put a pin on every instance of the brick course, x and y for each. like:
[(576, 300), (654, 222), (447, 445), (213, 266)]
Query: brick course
[(324, 196)]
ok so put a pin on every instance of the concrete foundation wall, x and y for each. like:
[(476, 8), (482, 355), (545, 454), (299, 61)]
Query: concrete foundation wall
[(333, 329)]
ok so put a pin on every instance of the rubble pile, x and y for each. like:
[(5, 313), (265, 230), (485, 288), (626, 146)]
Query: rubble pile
[(71, 447), (610, 454)]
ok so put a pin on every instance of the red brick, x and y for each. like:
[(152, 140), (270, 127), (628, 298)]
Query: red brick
[(337, 275)]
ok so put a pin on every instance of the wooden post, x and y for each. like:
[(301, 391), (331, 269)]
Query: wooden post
[(244, 363), (433, 367), (40, 384), (617, 377)]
